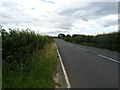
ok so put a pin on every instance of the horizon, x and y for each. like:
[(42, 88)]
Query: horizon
[(58, 33)]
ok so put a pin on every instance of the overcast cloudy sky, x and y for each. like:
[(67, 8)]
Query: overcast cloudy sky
[(52, 17)]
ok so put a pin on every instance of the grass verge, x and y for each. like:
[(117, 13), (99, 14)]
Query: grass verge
[(37, 73)]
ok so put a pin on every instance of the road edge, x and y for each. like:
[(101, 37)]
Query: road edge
[(63, 69)]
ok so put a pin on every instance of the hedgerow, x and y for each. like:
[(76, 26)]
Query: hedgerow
[(18, 45), (109, 41)]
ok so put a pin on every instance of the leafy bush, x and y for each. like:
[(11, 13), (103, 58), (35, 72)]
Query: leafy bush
[(18, 45)]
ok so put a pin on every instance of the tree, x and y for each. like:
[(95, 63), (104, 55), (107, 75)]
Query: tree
[(61, 35), (68, 35), (76, 35)]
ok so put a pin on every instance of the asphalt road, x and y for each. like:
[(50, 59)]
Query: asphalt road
[(89, 67)]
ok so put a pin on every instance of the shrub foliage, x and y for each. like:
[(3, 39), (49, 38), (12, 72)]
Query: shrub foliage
[(107, 40), (18, 45)]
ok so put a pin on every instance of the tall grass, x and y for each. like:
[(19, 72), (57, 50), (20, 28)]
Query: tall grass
[(37, 73), (28, 59)]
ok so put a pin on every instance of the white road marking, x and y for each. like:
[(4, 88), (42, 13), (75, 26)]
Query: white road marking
[(109, 58), (81, 49), (69, 45), (63, 68)]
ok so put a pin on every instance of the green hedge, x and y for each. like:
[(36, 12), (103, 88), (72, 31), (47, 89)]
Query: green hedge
[(109, 40), (18, 45)]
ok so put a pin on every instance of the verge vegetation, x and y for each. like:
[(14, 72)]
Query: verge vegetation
[(29, 59), (109, 41)]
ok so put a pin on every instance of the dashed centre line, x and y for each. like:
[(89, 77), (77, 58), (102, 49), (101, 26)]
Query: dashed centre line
[(109, 58), (101, 55), (81, 49)]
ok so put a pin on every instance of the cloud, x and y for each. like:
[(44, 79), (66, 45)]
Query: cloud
[(64, 16), (47, 1), (105, 8)]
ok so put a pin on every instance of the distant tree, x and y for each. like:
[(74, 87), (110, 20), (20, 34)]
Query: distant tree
[(68, 35), (76, 35), (61, 35)]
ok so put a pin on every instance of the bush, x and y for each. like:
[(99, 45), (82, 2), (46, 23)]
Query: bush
[(109, 40), (18, 45)]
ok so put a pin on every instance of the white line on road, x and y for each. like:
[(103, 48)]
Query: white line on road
[(109, 58), (81, 49), (64, 71)]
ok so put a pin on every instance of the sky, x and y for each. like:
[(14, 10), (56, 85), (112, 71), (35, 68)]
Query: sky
[(51, 17)]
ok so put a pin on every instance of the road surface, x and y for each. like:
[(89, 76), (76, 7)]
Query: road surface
[(89, 67)]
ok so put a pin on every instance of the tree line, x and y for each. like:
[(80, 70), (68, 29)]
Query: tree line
[(109, 41)]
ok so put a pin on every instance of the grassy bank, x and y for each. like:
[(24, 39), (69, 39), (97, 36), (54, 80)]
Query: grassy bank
[(36, 73), (28, 59)]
